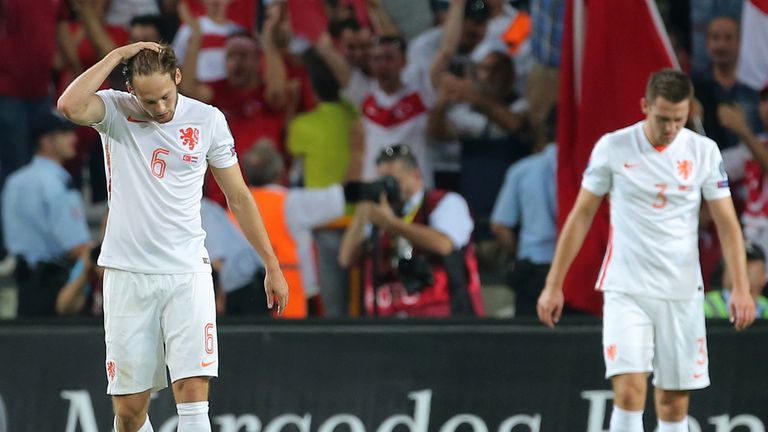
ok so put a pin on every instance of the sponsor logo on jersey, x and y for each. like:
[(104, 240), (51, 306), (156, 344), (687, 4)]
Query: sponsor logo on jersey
[(132, 119), (206, 260), (722, 184), (189, 137), (189, 158), (610, 352), (685, 188)]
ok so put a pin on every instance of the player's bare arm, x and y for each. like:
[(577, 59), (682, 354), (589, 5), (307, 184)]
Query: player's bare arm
[(79, 102), (742, 306), (246, 212), (550, 304)]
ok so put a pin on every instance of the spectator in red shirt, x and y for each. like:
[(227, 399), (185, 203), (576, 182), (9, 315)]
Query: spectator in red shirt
[(91, 37), (213, 28), (28, 40), (254, 104), (241, 12)]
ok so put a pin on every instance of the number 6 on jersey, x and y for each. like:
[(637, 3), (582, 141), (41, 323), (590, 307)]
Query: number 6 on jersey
[(158, 164)]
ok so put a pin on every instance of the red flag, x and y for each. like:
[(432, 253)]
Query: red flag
[(609, 50), (752, 69)]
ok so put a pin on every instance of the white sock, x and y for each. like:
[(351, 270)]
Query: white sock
[(681, 426), (146, 427), (193, 417), (626, 421)]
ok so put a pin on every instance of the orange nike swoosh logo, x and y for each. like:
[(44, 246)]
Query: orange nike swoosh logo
[(206, 364), (135, 120), (629, 165), (697, 376)]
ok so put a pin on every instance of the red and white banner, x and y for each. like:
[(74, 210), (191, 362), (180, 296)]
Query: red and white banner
[(609, 50), (752, 68)]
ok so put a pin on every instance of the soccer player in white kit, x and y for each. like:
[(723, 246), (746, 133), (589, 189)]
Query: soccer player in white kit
[(655, 172), (159, 306)]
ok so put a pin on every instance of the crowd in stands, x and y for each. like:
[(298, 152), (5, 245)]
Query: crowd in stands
[(397, 176)]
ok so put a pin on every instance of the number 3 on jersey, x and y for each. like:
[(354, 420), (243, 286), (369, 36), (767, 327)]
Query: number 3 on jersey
[(661, 199), (158, 163)]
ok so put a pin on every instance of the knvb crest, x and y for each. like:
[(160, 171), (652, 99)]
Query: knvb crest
[(111, 370), (684, 169), (189, 137)]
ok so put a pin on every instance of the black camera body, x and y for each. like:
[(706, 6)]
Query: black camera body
[(415, 273), (355, 192)]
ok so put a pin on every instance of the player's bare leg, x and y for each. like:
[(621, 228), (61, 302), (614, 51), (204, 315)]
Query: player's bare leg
[(672, 410), (191, 396), (131, 412), (629, 402), (630, 390)]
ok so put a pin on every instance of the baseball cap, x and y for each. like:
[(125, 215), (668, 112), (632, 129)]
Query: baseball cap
[(48, 120)]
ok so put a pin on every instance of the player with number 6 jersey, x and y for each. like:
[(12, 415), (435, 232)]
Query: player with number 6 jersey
[(155, 174), (159, 305)]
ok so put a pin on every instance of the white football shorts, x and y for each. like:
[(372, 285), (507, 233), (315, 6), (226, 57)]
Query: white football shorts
[(154, 320), (666, 337)]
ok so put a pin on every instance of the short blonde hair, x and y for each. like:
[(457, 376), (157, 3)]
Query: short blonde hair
[(148, 62)]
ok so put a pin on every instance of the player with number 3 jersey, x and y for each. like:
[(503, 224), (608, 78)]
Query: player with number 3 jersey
[(159, 307), (655, 173)]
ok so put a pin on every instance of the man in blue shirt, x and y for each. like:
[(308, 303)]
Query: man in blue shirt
[(528, 201), (44, 223)]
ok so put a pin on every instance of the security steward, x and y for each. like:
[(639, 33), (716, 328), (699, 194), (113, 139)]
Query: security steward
[(44, 222)]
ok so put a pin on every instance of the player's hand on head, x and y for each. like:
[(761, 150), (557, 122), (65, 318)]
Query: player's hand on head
[(550, 305), (277, 290), (128, 51), (742, 309)]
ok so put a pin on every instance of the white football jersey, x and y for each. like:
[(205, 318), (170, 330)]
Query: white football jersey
[(212, 55), (155, 178), (655, 196), (390, 119)]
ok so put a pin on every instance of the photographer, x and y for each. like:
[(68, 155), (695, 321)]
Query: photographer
[(414, 245)]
